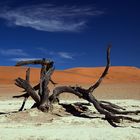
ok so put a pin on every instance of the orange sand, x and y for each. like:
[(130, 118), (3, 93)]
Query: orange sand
[(84, 76), (120, 83)]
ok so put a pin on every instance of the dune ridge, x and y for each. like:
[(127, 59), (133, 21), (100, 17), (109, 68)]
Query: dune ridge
[(83, 75)]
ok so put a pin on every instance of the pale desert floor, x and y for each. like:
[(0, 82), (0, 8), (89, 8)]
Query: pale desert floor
[(59, 125)]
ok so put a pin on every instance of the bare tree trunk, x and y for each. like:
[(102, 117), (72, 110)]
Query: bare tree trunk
[(43, 90), (42, 98)]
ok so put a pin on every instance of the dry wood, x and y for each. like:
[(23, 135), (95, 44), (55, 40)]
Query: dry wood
[(26, 97), (43, 90), (25, 85), (41, 99), (42, 62), (93, 87), (112, 112), (112, 105)]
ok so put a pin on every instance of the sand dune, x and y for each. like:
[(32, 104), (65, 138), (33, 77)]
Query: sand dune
[(76, 75), (120, 83)]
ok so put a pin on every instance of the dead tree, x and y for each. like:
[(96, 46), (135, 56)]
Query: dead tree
[(42, 97), (112, 113)]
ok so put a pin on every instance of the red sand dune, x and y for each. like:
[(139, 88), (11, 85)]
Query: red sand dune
[(74, 76)]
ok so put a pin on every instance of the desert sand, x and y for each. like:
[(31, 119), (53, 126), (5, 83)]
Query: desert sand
[(120, 83), (121, 86), (59, 125), (81, 75)]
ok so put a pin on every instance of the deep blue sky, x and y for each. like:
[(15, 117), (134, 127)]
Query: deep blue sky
[(74, 33)]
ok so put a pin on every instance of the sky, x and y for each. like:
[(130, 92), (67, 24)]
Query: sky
[(72, 33)]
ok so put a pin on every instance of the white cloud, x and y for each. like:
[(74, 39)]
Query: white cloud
[(23, 59), (11, 52), (60, 54), (65, 55), (46, 17)]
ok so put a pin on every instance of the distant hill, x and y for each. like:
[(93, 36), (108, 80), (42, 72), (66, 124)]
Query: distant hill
[(83, 75)]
